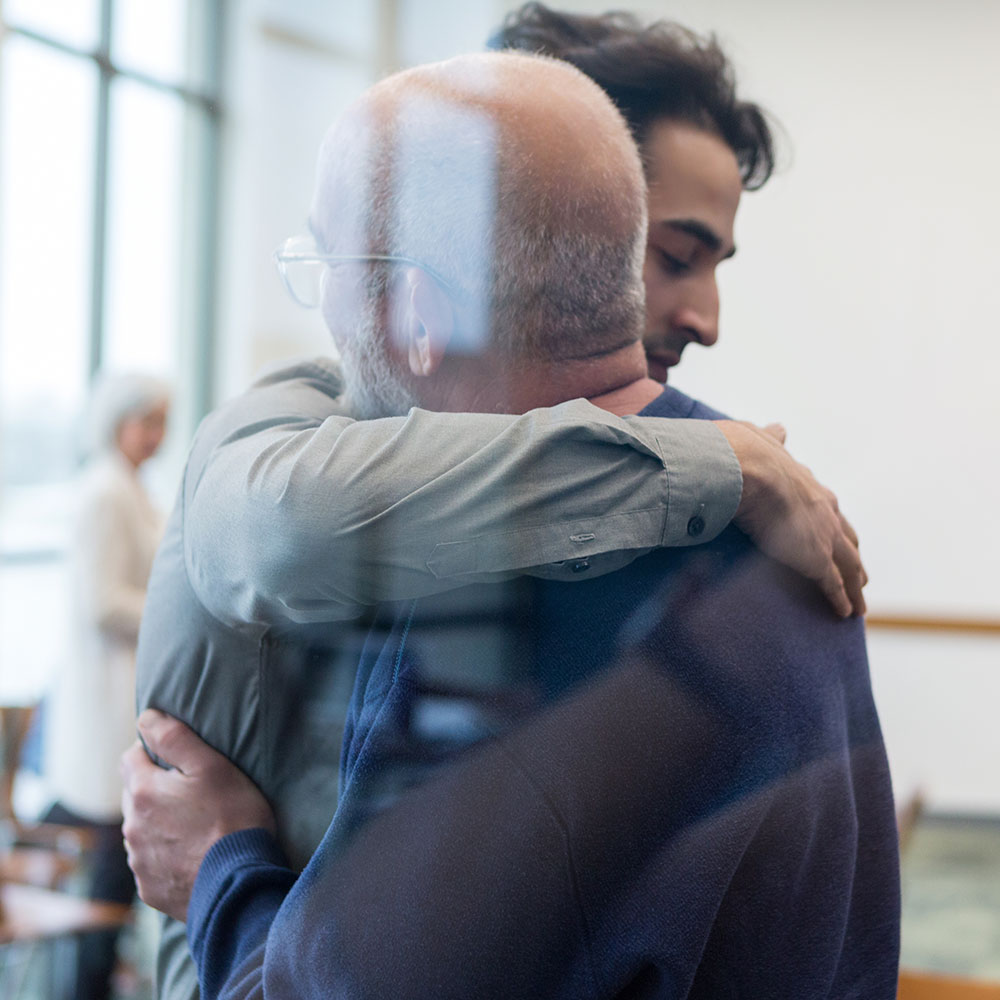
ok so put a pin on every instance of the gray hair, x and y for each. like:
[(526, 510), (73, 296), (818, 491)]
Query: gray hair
[(443, 178), (114, 398)]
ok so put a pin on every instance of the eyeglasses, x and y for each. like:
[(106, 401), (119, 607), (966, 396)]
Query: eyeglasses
[(300, 264)]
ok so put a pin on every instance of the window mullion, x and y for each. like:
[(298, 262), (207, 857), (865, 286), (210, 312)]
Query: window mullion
[(205, 290), (100, 234)]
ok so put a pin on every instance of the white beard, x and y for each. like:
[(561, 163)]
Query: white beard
[(372, 387)]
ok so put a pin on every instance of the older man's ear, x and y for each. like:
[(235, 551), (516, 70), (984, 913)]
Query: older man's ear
[(423, 321)]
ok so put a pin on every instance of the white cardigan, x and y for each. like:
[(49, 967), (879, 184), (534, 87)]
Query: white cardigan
[(91, 709)]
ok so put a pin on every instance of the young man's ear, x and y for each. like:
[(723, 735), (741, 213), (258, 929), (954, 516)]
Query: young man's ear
[(424, 321)]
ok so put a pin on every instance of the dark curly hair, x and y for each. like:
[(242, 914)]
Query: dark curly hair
[(662, 70)]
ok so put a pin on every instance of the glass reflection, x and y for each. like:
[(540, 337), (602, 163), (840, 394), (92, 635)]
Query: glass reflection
[(151, 36), (46, 171), (144, 231), (75, 22)]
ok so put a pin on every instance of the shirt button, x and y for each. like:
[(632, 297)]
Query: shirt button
[(580, 565), (696, 526)]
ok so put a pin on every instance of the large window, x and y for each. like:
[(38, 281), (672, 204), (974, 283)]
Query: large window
[(109, 121)]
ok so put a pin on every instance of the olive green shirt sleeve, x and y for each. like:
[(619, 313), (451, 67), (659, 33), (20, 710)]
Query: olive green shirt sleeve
[(295, 512)]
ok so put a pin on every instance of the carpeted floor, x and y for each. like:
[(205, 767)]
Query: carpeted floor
[(951, 908), (951, 897)]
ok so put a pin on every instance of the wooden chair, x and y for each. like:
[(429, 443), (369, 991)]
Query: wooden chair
[(38, 931), (907, 816), (934, 986), (15, 721), (38, 853)]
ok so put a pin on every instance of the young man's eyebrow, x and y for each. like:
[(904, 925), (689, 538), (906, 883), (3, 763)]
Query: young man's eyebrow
[(704, 234)]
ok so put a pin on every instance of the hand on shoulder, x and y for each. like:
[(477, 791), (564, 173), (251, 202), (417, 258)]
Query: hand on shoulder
[(793, 518)]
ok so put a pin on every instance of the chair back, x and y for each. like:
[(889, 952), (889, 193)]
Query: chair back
[(15, 721)]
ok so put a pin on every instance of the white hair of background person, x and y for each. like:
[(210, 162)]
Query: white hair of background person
[(115, 397)]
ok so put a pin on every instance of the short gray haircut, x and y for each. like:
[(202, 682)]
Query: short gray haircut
[(555, 270)]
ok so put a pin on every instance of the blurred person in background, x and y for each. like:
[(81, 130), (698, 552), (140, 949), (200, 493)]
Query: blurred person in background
[(90, 713)]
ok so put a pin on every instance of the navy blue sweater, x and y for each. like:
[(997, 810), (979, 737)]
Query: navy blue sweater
[(665, 782)]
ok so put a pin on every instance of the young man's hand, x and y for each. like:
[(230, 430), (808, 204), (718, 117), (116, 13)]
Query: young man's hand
[(793, 518), (174, 814)]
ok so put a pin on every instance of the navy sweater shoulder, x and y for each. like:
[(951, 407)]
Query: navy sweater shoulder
[(665, 782)]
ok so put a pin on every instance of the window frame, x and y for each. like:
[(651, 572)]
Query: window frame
[(198, 283)]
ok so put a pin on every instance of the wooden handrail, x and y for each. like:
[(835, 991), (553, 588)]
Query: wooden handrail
[(935, 986), (935, 623)]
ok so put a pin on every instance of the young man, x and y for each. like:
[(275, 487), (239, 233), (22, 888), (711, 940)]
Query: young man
[(701, 145)]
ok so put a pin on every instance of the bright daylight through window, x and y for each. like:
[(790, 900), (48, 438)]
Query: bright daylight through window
[(109, 117)]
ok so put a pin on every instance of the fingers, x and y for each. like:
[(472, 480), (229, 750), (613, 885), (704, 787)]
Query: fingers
[(852, 572), (793, 518), (129, 766), (132, 761), (832, 585), (848, 530), (174, 744), (842, 576), (777, 431), (847, 568), (154, 728), (848, 560), (138, 772)]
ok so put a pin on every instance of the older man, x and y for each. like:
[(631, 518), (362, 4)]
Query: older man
[(667, 781)]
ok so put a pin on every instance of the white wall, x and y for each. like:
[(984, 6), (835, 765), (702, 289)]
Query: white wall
[(862, 309), (288, 79), (295, 64)]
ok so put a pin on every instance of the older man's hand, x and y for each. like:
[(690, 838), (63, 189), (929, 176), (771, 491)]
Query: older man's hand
[(793, 518), (173, 816)]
